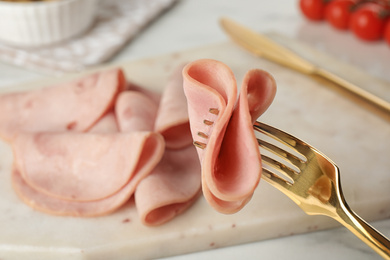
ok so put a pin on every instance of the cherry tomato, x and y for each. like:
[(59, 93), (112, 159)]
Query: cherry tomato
[(313, 9), (386, 34), (337, 13), (366, 22)]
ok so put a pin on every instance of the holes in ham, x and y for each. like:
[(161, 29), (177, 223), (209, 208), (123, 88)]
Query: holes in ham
[(202, 145), (208, 122), (214, 111), (203, 135)]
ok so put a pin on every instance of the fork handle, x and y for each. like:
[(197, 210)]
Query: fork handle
[(369, 235)]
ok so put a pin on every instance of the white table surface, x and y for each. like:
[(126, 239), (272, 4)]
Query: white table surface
[(194, 23)]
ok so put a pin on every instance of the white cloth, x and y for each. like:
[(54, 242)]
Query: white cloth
[(117, 22)]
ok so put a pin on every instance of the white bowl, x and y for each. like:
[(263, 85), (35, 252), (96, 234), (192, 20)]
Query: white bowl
[(41, 23)]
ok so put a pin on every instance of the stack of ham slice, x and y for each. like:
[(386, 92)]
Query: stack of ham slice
[(222, 129), (83, 148), (176, 181)]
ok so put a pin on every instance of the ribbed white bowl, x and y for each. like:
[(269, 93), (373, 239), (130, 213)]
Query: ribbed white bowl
[(35, 24)]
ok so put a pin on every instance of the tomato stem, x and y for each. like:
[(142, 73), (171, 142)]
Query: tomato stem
[(382, 14)]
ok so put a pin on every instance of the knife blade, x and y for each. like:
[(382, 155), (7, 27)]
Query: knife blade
[(265, 47)]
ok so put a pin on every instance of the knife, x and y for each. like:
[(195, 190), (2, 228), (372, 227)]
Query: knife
[(263, 46)]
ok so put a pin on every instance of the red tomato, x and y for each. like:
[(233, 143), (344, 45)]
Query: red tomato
[(366, 22), (386, 34), (337, 13), (313, 9)]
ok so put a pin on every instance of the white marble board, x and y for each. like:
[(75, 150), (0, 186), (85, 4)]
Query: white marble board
[(352, 135)]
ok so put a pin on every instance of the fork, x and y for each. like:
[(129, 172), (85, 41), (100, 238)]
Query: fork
[(312, 181)]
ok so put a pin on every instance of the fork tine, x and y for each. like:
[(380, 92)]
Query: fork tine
[(291, 141), (275, 180), (289, 157), (280, 168)]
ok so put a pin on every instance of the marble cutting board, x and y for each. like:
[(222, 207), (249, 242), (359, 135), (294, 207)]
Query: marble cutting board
[(352, 135)]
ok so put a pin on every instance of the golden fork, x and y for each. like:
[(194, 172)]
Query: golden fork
[(312, 181)]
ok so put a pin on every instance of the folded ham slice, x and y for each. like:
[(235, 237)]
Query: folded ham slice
[(73, 106), (175, 183), (173, 186), (223, 130), (84, 166), (151, 154), (172, 117)]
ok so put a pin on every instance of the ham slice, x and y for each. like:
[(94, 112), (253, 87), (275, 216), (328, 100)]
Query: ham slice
[(173, 186), (151, 154), (55, 206), (106, 124), (154, 96), (73, 106), (91, 173), (175, 183), (84, 148), (83, 166), (172, 117), (223, 130), (135, 111)]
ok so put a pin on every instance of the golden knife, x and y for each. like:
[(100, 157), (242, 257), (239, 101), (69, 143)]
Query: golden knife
[(263, 46)]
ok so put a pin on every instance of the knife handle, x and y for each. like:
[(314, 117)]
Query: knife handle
[(375, 100)]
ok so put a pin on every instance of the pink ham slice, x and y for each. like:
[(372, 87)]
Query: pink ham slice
[(151, 153), (210, 88), (83, 166), (73, 106), (135, 111), (106, 124), (230, 158), (173, 186), (175, 183), (172, 117), (154, 96)]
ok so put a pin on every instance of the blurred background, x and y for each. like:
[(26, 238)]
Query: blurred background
[(185, 24), (130, 30)]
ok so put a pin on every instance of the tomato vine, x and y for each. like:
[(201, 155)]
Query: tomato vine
[(368, 20)]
